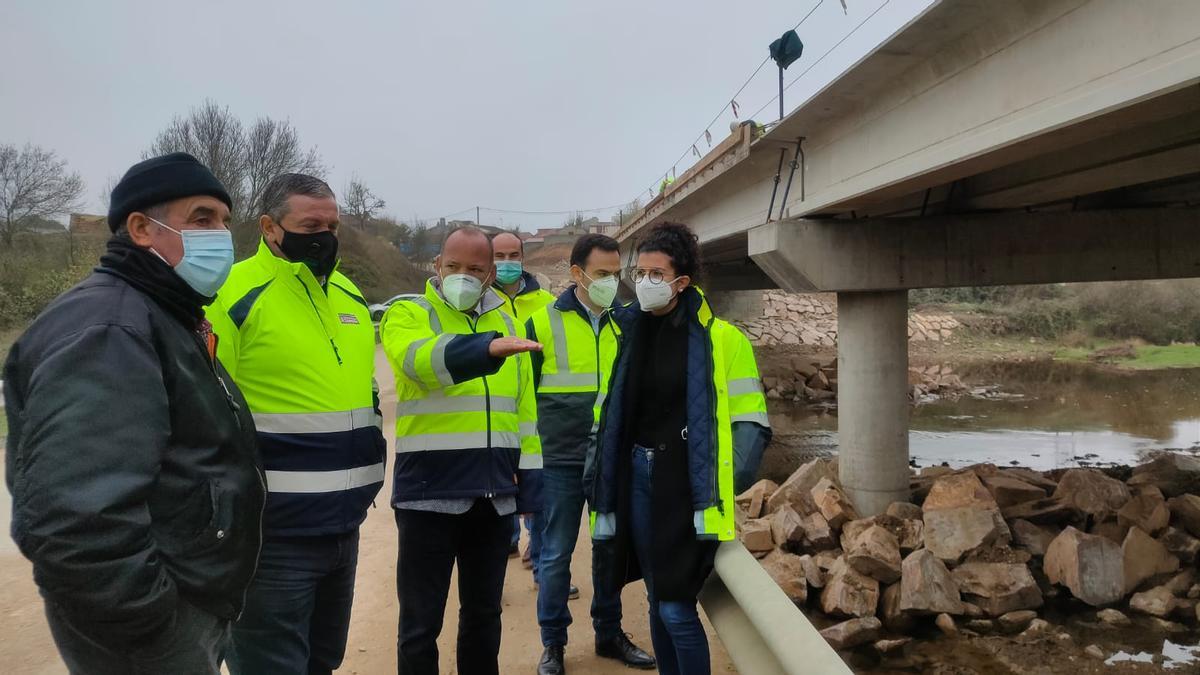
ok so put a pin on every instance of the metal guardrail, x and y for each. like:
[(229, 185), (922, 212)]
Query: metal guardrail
[(761, 628)]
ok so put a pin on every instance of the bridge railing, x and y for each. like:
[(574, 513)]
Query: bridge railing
[(728, 152), (762, 629)]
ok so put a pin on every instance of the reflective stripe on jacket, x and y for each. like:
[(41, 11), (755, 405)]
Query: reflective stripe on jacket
[(303, 355), (571, 373), (727, 427), (466, 423)]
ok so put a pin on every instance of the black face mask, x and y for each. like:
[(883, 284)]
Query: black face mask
[(318, 250)]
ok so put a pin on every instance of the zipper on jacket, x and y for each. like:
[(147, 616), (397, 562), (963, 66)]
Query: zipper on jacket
[(258, 473), (262, 512), (714, 434), (336, 354), (487, 410), (212, 365), (603, 425)]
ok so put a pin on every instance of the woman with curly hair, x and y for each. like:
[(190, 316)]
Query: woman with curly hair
[(682, 431)]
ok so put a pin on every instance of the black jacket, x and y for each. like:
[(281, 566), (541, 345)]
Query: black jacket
[(131, 461)]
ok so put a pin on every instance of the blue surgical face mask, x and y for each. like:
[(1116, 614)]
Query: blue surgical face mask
[(207, 258), (508, 271)]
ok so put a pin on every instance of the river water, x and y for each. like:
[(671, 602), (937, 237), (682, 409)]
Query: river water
[(1040, 414)]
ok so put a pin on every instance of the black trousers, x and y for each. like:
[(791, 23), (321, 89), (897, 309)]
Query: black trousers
[(191, 644), (430, 545)]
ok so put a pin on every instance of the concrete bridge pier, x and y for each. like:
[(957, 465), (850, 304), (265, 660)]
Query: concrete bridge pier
[(872, 398), (871, 264)]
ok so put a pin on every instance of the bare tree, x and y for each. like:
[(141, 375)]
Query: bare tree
[(214, 136), (244, 160), (360, 203), (272, 148), (105, 192), (34, 183), (628, 211)]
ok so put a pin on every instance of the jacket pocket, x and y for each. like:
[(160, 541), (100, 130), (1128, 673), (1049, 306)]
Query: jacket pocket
[(203, 522)]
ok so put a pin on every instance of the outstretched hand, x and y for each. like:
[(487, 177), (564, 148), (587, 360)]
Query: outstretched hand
[(504, 347)]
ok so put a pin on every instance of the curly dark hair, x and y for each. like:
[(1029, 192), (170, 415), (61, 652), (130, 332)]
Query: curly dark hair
[(678, 242)]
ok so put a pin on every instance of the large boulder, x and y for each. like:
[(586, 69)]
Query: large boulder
[(1035, 478), (909, 534), (1110, 529), (817, 533), (1049, 511), (1091, 567), (756, 497), (797, 489), (1148, 511), (812, 571), (756, 535), (876, 554), (998, 588), (787, 570), (1092, 492), (954, 532), (852, 633), (904, 511), (1171, 472), (787, 527), (1181, 545), (848, 593), (833, 503), (1009, 490), (927, 587), (1033, 538), (1144, 558), (1186, 511), (958, 490), (894, 618), (1157, 601)]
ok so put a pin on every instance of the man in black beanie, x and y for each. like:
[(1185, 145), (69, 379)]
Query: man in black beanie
[(137, 491)]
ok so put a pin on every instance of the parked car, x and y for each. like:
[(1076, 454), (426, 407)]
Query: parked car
[(379, 308)]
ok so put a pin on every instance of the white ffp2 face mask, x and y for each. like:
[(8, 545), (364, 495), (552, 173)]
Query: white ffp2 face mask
[(602, 291), (462, 291), (652, 296)]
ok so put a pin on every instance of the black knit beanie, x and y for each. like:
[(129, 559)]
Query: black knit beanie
[(162, 179)]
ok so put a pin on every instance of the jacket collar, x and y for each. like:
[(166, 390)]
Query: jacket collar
[(489, 301)]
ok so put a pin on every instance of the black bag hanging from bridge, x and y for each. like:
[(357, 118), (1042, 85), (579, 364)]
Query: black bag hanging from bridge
[(787, 49)]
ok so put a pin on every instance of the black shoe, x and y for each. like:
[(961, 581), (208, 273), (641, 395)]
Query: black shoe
[(573, 592), (552, 661), (514, 551), (622, 649)]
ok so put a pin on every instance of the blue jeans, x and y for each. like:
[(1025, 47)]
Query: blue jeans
[(562, 490), (680, 643), (298, 607)]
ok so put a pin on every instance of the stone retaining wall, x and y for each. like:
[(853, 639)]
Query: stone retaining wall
[(778, 318)]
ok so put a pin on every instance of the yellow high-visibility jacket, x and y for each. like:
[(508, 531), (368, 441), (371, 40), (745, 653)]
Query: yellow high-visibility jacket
[(571, 372), (303, 355), (466, 423)]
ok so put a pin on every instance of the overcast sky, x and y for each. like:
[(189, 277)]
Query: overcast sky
[(438, 106)]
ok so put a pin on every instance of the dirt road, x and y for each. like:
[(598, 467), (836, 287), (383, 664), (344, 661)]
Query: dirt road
[(26, 647)]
